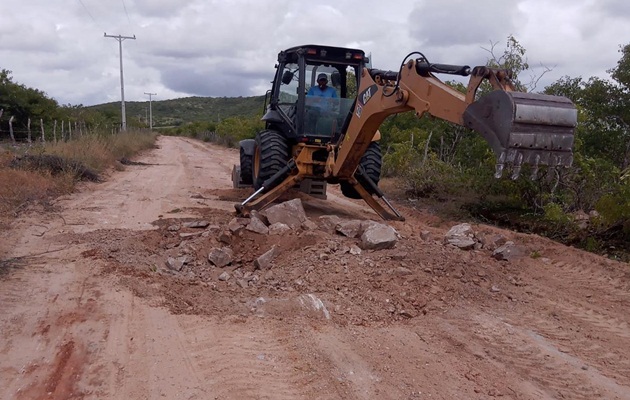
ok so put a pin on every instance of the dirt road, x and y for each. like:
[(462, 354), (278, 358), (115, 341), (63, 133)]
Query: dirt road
[(89, 310)]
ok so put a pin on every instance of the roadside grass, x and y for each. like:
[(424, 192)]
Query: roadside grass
[(53, 169)]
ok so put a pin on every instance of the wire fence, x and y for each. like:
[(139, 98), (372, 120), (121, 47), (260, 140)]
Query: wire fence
[(51, 131)]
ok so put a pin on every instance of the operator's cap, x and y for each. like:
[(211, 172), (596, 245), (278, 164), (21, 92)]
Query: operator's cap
[(322, 76)]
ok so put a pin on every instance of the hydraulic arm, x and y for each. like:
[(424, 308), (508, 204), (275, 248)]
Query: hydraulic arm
[(520, 127)]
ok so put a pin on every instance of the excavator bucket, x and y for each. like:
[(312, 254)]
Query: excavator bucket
[(525, 128)]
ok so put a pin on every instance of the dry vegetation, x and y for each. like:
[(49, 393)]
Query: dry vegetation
[(24, 184)]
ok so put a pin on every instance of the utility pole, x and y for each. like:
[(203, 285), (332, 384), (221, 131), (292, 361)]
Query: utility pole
[(150, 110), (122, 82)]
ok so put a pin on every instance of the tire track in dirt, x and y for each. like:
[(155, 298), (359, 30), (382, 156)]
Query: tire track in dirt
[(575, 305), (233, 362), (604, 355), (610, 279), (596, 318), (535, 359)]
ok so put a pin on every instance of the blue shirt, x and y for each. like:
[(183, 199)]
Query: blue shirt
[(316, 91)]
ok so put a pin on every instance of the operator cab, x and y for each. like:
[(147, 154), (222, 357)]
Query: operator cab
[(309, 118)]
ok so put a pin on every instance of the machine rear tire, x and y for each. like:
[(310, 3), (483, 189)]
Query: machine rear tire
[(246, 168), (371, 162), (271, 154)]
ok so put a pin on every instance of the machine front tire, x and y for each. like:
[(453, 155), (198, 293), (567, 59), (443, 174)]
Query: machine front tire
[(371, 162), (271, 154), (246, 168)]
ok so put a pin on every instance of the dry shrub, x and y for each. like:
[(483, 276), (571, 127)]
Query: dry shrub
[(19, 188), (99, 151), (32, 183)]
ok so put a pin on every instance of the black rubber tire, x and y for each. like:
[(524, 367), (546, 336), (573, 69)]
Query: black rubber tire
[(246, 168), (271, 154), (371, 162)]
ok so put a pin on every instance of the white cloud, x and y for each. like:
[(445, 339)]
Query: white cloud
[(229, 47)]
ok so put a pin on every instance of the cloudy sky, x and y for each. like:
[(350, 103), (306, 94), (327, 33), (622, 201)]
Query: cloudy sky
[(228, 47)]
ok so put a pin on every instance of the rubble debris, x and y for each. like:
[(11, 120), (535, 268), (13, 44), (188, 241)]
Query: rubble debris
[(378, 236), (309, 225), (278, 228), (185, 235), (399, 256), (508, 251), (176, 264), (355, 250), (315, 303), (257, 226), (328, 223), (196, 224), (221, 257), (352, 228), (225, 237), (264, 261), (461, 236), (290, 213), (236, 224), (224, 276), (493, 242)]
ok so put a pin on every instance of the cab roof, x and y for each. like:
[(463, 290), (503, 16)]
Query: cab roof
[(329, 53)]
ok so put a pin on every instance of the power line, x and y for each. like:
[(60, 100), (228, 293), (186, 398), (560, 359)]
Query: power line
[(89, 13), (127, 14)]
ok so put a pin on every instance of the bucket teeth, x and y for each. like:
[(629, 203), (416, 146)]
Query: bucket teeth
[(516, 170), (535, 165), (500, 166), (525, 128)]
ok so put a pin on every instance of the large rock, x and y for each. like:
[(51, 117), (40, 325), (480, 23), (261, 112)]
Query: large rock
[(461, 236), (221, 257), (290, 213), (378, 236)]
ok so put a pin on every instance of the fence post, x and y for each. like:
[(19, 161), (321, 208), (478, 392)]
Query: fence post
[(41, 124), (55, 132), (63, 131), (69, 130), (28, 128), (11, 129)]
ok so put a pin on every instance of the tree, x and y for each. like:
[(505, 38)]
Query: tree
[(23, 102)]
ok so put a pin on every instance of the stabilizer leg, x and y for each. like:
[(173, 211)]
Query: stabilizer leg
[(371, 201), (248, 205)]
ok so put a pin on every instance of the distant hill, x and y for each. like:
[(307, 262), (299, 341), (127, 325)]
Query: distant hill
[(189, 109)]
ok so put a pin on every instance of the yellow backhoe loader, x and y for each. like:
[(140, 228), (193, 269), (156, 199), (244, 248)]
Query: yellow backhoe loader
[(313, 138)]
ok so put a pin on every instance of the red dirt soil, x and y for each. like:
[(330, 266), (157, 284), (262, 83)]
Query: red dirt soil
[(89, 309)]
